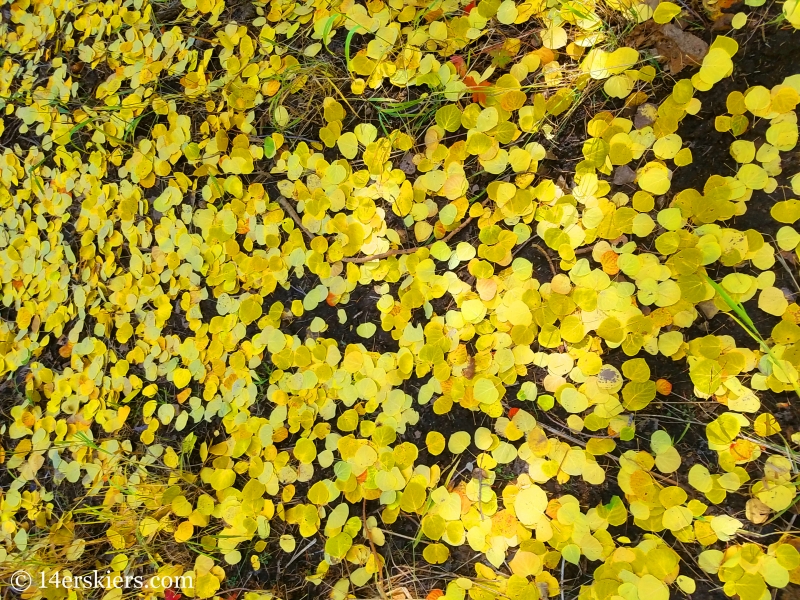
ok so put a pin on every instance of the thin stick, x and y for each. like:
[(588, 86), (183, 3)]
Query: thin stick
[(464, 224), (547, 256), (294, 558), (366, 259), (292, 213), (400, 535), (577, 252), (788, 270), (611, 456)]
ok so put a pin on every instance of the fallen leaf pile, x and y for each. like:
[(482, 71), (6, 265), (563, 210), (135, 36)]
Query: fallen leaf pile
[(276, 273)]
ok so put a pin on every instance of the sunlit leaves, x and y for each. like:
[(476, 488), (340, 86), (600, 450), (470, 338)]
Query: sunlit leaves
[(667, 458), (458, 442), (287, 543), (142, 267), (706, 375), (530, 504), (654, 177), (435, 442), (366, 330), (723, 430), (436, 553), (414, 496), (766, 425), (665, 11), (786, 211), (338, 545)]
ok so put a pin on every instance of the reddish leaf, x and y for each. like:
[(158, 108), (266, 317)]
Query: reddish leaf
[(461, 66), (477, 95)]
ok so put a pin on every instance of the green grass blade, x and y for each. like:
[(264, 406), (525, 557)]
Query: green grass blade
[(745, 322), (734, 306), (347, 41), (326, 30)]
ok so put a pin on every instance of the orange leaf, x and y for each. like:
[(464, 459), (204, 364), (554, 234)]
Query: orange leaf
[(273, 87), (472, 86), (663, 387), (609, 262), (545, 55), (743, 449), (434, 594)]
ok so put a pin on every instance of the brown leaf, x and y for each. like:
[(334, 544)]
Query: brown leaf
[(723, 23), (407, 165), (623, 175), (708, 308), (679, 47)]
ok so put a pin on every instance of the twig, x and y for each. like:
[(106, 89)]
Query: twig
[(566, 436), (400, 535), (547, 256), (366, 259), (500, 44), (578, 252), (292, 213), (686, 6), (611, 456), (464, 224), (294, 558), (788, 270), (745, 533)]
